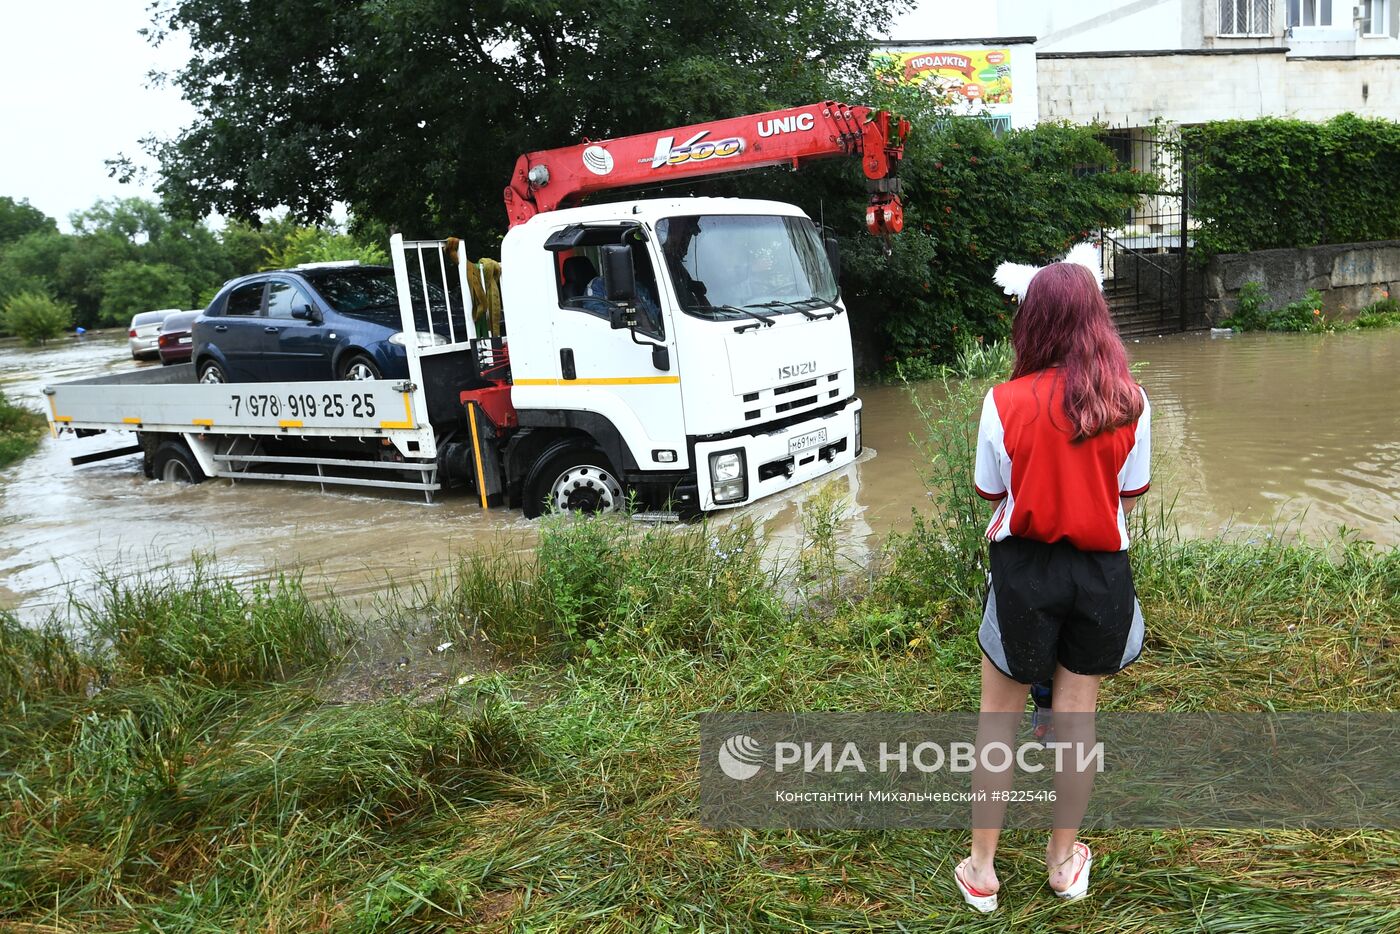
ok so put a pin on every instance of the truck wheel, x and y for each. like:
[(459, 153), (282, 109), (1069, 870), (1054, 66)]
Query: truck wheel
[(212, 372), (359, 367), (573, 479), (175, 463)]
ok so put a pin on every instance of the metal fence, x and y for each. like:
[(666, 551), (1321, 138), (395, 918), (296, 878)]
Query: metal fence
[(1151, 284)]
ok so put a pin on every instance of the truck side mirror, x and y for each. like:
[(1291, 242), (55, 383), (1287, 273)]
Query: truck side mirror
[(619, 276), (833, 257)]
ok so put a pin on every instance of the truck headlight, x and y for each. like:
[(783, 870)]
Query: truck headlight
[(425, 339), (729, 481)]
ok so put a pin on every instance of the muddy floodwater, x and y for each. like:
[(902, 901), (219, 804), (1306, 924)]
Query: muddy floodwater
[(1252, 433)]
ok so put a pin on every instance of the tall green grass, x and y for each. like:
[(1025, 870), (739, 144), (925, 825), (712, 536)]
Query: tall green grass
[(20, 431)]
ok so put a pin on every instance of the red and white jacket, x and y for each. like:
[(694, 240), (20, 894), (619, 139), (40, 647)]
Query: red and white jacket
[(1051, 488)]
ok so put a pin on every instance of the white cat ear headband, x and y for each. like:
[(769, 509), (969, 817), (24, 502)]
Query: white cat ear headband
[(1015, 278)]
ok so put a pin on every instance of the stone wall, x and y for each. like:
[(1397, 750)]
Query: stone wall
[(1350, 276)]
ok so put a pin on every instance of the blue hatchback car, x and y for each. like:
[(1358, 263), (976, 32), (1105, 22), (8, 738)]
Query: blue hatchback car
[(333, 321)]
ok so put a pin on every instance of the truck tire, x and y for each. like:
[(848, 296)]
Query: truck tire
[(174, 462), (572, 478)]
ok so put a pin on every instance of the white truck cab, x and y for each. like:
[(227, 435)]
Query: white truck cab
[(732, 378)]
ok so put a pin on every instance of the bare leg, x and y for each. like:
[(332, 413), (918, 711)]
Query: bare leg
[(1000, 695), (1077, 695)]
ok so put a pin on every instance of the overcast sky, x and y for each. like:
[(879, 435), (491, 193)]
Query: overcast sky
[(74, 91)]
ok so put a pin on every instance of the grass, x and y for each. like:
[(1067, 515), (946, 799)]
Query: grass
[(168, 760), (20, 431)]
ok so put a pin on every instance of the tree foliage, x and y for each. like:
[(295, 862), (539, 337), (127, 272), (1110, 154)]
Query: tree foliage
[(414, 111), (130, 288), (129, 255), (318, 245), (18, 218)]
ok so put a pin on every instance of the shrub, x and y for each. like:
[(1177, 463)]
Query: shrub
[(1261, 184), (1303, 315), (35, 318)]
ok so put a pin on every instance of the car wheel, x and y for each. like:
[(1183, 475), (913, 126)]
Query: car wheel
[(211, 372), (175, 463), (359, 367), (574, 479)]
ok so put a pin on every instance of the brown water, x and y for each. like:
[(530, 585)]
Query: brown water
[(1252, 433)]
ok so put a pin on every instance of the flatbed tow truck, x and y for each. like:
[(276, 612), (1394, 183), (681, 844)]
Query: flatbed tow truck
[(682, 355)]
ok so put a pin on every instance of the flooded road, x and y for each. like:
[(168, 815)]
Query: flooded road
[(1251, 432)]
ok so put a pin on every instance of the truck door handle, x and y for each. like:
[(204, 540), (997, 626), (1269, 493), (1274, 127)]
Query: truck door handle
[(566, 363), (221, 327), (272, 330)]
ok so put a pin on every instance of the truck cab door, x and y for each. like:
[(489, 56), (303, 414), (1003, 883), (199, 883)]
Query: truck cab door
[(629, 376)]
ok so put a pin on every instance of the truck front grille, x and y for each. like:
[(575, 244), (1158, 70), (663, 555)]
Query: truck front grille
[(779, 400)]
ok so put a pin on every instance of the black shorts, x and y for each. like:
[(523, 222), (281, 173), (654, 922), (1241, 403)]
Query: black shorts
[(1049, 604)]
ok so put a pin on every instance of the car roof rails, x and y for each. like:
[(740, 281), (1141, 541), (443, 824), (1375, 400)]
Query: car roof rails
[(333, 264)]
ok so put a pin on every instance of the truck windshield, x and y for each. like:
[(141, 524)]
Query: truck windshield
[(740, 265)]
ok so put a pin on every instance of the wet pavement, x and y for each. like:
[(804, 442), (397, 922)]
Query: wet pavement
[(1251, 432)]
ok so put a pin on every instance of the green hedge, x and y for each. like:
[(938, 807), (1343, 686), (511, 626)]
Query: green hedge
[(1261, 184)]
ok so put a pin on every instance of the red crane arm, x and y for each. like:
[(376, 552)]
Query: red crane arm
[(555, 178)]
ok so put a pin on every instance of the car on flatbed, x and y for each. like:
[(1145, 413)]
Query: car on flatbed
[(175, 341), (322, 321), (144, 331)]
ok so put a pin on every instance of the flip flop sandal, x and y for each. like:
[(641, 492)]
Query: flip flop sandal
[(985, 902), (1079, 885)]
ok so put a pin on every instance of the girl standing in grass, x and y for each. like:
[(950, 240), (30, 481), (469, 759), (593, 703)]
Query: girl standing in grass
[(1063, 449)]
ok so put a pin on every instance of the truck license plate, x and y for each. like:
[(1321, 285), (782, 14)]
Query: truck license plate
[(810, 440)]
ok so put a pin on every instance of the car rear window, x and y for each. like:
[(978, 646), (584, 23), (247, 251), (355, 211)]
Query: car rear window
[(149, 317)]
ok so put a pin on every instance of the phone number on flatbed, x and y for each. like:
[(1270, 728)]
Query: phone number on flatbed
[(305, 405)]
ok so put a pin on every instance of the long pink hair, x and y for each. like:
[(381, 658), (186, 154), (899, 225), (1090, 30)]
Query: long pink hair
[(1064, 320)]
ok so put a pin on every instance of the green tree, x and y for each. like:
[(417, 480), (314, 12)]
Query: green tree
[(414, 111), (319, 245), (35, 318), (133, 287), (18, 218)]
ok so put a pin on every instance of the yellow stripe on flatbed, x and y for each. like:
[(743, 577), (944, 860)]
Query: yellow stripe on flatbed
[(603, 381), (407, 416)]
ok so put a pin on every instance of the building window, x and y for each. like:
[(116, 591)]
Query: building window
[(1309, 12), (1373, 18), (1247, 17)]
